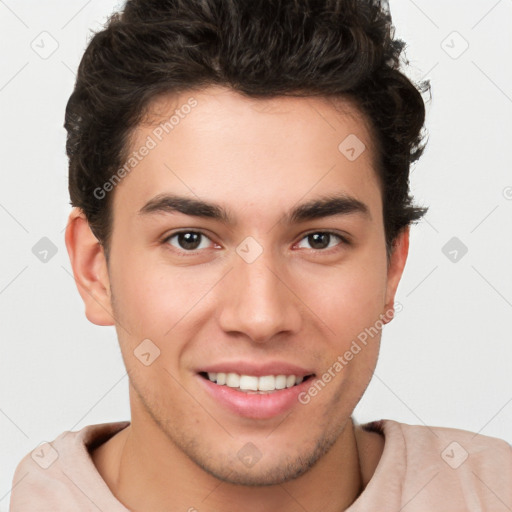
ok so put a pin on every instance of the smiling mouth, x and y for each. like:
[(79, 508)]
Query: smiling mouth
[(252, 384)]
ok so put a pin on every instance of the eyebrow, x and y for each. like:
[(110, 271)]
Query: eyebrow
[(325, 206)]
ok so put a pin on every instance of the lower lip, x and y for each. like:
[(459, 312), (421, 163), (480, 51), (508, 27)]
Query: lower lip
[(255, 405)]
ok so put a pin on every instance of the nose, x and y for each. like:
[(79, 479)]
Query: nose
[(258, 300)]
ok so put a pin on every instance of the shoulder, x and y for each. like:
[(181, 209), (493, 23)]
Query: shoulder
[(455, 447), (444, 462), (60, 474)]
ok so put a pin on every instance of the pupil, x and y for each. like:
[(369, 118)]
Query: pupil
[(187, 241), (315, 240)]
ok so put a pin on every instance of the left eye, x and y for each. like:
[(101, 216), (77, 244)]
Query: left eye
[(320, 239)]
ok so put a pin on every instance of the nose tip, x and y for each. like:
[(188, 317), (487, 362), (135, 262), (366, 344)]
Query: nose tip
[(257, 301)]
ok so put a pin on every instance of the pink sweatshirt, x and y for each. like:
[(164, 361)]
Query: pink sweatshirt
[(422, 469)]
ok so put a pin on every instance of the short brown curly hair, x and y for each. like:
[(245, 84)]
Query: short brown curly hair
[(260, 48)]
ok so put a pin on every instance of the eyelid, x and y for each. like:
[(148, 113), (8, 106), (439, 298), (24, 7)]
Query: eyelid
[(166, 238), (345, 240), (344, 236)]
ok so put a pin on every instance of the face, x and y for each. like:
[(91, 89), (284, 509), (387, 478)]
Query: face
[(245, 287)]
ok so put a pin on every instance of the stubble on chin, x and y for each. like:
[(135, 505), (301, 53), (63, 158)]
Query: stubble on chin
[(225, 464)]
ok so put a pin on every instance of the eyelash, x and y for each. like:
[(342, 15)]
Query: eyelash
[(184, 252)]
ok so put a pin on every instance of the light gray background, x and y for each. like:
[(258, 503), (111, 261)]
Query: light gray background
[(446, 358)]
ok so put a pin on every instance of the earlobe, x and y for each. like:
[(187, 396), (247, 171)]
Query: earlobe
[(396, 267), (89, 269)]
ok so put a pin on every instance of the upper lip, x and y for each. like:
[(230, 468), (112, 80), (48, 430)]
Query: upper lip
[(257, 369)]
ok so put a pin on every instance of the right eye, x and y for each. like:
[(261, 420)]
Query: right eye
[(187, 241)]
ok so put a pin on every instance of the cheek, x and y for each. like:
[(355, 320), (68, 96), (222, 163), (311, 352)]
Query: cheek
[(145, 297), (156, 299), (348, 298), (351, 307)]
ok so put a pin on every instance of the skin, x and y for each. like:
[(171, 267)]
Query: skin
[(294, 303)]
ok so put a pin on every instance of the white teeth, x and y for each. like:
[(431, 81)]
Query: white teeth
[(280, 381), (233, 380), (248, 382), (267, 383), (253, 383)]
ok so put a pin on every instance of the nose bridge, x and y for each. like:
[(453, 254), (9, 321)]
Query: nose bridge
[(257, 302)]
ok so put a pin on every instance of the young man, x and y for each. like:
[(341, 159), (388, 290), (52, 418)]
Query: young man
[(239, 176)]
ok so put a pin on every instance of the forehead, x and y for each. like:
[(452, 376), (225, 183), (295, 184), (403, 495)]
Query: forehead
[(220, 107), (220, 144)]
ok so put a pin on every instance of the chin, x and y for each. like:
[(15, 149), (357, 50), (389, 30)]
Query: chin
[(258, 473), (275, 474)]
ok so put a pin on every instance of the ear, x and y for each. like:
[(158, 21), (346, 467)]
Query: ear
[(396, 266), (89, 269)]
